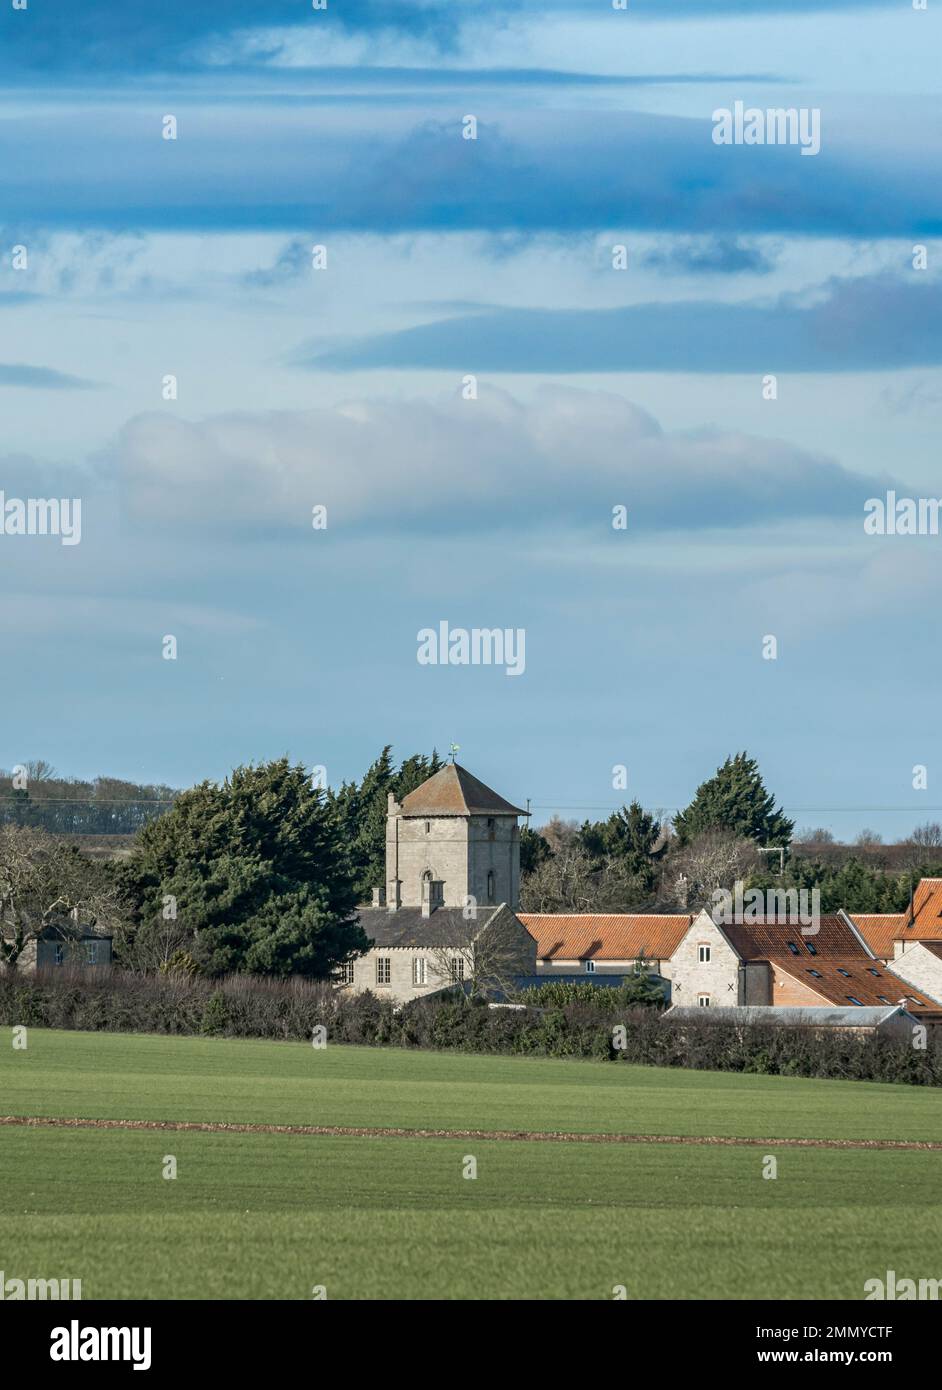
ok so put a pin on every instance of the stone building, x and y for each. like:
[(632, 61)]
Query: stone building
[(446, 914), (53, 950), (774, 963)]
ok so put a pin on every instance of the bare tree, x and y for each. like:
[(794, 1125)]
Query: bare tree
[(483, 959), (712, 860), (928, 836), (48, 888), (814, 835), (559, 834)]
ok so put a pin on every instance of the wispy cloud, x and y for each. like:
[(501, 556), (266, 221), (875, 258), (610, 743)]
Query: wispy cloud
[(865, 324), (41, 378)]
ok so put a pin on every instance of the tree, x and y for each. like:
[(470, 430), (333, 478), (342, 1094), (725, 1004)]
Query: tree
[(361, 810), (256, 872), (534, 850), (483, 960), (711, 860), (736, 802), (49, 889), (572, 881), (814, 835), (630, 836), (928, 836)]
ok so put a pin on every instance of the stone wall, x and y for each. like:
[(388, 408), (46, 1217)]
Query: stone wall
[(718, 977)]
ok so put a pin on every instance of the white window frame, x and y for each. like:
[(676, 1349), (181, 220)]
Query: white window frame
[(704, 952), (457, 970), (703, 1001), (384, 967), (345, 973), (590, 967), (419, 970)]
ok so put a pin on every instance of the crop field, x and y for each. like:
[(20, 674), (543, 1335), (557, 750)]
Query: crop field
[(661, 1208)]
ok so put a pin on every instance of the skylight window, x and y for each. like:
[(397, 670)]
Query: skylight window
[(816, 973), (874, 972), (813, 950), (845, 973), (792, 947), (854, 1000)]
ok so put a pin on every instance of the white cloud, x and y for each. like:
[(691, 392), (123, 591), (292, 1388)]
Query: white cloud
[(563, 458)]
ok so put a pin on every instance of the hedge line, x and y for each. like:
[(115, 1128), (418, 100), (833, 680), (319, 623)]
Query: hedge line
[(246, 1007)]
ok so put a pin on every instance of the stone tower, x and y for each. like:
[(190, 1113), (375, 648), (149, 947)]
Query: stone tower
[(452, 839)]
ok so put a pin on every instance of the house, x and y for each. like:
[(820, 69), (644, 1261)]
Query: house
[(774, 963), (894, 1022), (919, 963), (603, 944), (890, 934), (445, 915), (52, 949)]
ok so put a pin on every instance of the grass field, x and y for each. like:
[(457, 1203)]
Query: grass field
[(271, 1216)]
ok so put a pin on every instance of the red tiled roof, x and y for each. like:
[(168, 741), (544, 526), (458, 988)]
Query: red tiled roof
[(615, 936), (840, 981), (927, 905), (760, 940), (879, 930)]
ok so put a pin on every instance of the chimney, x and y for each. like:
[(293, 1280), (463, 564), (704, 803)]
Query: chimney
[(379, 897), (393, 895)]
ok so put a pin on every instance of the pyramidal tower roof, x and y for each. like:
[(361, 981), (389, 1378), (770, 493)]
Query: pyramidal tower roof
[(453, 791)]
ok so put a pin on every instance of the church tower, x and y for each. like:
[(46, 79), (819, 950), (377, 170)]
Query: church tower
[(452, 840)]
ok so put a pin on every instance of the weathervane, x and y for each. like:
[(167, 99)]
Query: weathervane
[(455, 749)]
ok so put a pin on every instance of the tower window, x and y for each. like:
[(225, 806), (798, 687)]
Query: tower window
[(490, 885), (428, 827)]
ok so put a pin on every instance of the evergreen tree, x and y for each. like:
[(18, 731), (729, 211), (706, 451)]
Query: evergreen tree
[(534, 850), (361, 811), (735, 800), (254, 870)]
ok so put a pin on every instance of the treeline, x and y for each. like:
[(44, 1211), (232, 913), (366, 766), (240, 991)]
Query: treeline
[(639, 861), (33, 794), (262, 873), (599, 1027)]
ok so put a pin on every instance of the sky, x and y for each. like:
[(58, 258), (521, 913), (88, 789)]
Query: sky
[(523, 376)]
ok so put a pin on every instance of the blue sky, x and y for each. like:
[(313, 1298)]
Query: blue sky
[(596, 388)]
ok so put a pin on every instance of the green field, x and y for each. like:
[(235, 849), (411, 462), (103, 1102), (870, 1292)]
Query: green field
[(272, 1216)]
